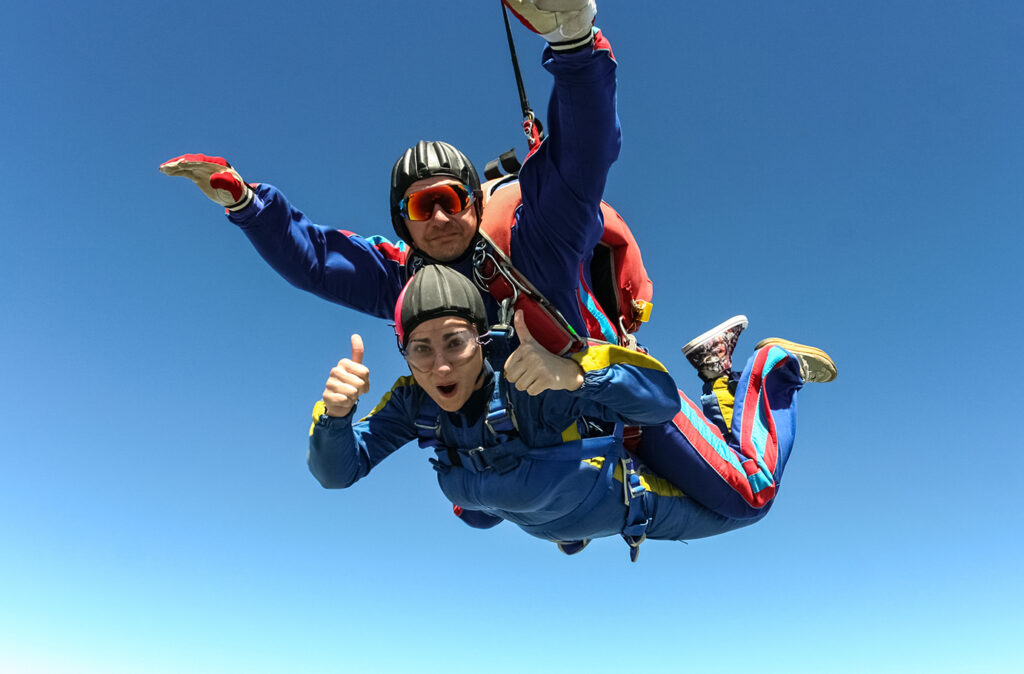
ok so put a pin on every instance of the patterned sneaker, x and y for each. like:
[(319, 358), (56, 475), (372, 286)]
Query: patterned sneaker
[(815, 365), (711, 353)]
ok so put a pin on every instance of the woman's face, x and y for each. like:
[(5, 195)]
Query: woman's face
[(446, 360)]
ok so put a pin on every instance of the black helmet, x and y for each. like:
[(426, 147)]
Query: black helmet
[(437, 291), (427, 159)]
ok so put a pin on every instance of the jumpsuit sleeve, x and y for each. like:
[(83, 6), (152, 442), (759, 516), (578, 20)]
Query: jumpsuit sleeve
[(562, 183), (339, 266), (625, 386), (342, 452)]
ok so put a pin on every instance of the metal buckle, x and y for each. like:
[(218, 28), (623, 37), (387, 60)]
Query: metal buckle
[(476, 458), (631, 484), (626, 339)]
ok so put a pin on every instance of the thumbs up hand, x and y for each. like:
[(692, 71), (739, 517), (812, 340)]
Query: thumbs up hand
[(534, 369), (349, 379)]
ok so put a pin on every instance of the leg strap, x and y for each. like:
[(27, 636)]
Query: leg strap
[(636, 497)]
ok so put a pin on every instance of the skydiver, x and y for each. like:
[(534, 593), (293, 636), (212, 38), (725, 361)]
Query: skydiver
[(535, 472)]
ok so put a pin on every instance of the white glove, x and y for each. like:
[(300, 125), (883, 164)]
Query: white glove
[(565, 24), (215, 178)]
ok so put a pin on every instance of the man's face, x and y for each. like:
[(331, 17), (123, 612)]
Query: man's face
[(446, 360), (445, 236)]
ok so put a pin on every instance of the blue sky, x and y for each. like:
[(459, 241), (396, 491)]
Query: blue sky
[(846, 174)]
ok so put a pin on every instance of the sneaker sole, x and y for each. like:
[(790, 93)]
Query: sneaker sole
[(736, 321), (815, 365)]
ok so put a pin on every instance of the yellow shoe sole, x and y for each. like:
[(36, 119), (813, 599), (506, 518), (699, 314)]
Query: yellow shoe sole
[(815, 365)]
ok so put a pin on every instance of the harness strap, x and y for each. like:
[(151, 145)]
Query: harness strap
[(428, 428), (505, 452), (614, 303), (499, 417), (494, 271), (638, 506), (509, 451)]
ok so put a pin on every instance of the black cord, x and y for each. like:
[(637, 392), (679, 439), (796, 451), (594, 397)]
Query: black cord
[(527, 112)]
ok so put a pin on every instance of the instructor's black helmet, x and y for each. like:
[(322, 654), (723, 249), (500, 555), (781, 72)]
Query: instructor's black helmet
[(427, 159), (437, 291)]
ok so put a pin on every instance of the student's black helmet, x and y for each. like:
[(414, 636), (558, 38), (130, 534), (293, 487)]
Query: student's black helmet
[(437, 291)]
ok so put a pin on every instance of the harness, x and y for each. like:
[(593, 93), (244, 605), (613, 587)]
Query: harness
[(503, 451), (506, 450)]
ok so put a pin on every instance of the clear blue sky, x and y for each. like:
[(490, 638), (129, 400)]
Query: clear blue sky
[(846, 174)]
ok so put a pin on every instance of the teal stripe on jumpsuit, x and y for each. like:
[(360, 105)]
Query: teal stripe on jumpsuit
[(735, 473), (550, 493)]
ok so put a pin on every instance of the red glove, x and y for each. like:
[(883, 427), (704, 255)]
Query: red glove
[(565, 24), (215, 178)]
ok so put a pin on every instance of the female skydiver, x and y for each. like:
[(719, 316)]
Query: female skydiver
[(516, 452)]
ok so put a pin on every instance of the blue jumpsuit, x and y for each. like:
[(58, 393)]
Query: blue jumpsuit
[(735, 471), (552, 241), (557, 490)]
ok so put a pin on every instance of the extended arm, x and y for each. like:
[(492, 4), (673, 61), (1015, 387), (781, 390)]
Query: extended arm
[(339, 266), (563, 181)]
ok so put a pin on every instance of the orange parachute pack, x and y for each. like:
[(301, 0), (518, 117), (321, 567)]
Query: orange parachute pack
[(621, 286)]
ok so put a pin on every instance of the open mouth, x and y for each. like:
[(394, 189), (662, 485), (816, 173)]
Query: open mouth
[(447, 390)]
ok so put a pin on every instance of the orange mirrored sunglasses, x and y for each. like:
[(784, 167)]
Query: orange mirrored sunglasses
[(452, 198)]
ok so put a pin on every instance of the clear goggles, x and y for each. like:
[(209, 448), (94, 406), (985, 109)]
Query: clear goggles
[(457, 349)]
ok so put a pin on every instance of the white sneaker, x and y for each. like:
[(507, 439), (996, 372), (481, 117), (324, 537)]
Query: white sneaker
[(711, 352)]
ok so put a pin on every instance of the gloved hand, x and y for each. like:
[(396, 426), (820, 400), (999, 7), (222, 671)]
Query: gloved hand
[(215, 178), (565, 24)]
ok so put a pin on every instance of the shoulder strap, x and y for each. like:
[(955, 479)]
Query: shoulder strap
[(494, 271), (500, 421), (428, 424)]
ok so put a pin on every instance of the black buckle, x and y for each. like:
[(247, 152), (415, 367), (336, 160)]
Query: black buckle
[(491, 458)]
